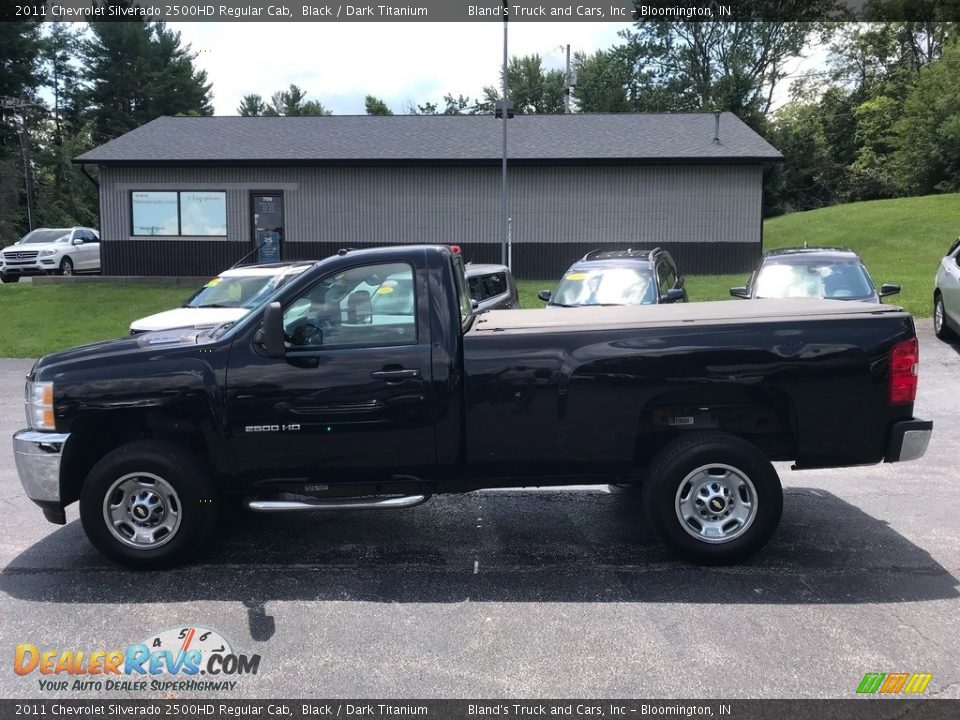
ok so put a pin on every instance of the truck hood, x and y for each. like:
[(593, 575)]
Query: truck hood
[(187, 317), (107, 349)]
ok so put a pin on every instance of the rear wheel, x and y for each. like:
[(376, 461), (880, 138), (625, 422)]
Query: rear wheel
[(712, 498), (9, 278), (940, 319), (148, 504), (66, 266)]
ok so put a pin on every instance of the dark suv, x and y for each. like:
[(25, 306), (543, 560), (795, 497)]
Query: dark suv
[(619, 277)]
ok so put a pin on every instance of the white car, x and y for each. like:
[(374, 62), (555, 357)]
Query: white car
[(226, 298), (946, 295), (52, 251)]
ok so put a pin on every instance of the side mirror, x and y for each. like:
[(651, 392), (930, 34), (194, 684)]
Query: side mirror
[(673, 295), (474, 304), (740, 292), (888, 289), (545, 295), (78, 241), (270, 335)]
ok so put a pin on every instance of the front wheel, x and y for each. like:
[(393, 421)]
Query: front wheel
[(712, 498), (940, 319), (148, 505), (66, 267), (9, 278)]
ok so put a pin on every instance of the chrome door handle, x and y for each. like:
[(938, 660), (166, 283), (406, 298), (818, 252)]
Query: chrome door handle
[(394, 374)]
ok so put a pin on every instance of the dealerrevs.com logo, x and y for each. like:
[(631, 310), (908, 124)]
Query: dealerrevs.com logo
[(178, 659)]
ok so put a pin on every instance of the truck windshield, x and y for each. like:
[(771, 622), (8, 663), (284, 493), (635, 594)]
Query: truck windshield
[(606, 286), (234, 292), (838, 280)]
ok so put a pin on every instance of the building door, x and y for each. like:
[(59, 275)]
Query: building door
[(267, 224)]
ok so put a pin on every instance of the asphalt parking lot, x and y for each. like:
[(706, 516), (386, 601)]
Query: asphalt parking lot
[(530, 593)]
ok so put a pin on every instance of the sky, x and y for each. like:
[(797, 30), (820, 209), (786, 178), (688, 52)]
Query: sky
[(401, 63)]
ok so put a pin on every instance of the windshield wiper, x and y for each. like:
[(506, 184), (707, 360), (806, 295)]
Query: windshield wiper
[(214, 305)]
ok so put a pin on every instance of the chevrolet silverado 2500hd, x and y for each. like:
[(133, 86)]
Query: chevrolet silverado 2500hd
[(368, 382)]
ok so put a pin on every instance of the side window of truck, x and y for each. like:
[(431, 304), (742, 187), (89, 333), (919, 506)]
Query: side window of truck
[(370, 305)]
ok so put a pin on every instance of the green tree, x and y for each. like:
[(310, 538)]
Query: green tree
[(602, 83), (137, 71), (376, 106), (20, 45), (927, 154), (734, 66), (63, 195), (292, 102), (252, 106), (800, 182), (531, 89), (460, 105)]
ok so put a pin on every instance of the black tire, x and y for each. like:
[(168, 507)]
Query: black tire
[(682, 458), (66, 267), (195, 502), (9, 278), (941, 329)]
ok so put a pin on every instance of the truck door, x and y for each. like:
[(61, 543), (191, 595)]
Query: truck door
[(352, 399)]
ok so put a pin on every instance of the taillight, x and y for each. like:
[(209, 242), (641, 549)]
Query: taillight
[(904, 366)]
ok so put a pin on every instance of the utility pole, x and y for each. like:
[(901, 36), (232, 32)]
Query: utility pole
[(566, 82), (505, 230), (18, 107)]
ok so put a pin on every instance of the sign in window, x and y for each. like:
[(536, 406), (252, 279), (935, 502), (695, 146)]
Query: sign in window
[(189, 212)]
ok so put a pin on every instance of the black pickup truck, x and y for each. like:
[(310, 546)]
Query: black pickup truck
[(368, 382)]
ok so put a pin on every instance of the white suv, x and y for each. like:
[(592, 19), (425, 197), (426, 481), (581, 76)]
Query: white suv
[(946, 295), (51, 251), (226, 298)]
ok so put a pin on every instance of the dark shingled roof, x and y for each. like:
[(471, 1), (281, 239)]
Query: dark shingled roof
[(435, 139)]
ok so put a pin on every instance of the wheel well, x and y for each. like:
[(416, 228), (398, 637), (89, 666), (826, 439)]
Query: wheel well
[(766, 418), (101, 435)]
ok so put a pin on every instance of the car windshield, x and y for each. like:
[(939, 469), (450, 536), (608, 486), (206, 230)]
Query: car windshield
[(46, 236), (606, 286), (234, 292), (837, 280), (394, 296)]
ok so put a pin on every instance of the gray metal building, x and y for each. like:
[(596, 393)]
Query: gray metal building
[(192, 195)]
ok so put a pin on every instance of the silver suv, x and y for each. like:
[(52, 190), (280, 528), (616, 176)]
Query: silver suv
[(52, 251)]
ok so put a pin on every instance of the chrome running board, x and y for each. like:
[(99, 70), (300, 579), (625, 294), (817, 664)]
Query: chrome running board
[(405, 501)]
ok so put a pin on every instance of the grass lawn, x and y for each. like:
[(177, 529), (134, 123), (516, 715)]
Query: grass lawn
[(901, 241), (41, 319)]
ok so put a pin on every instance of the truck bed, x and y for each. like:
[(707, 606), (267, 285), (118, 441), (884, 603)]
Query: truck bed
[(580, 389)]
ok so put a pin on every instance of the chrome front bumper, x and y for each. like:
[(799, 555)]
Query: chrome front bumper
[(37, 456), (908, 440)]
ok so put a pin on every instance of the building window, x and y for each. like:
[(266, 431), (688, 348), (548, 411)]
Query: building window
[(155, 213), (189, 212), (203, 213)]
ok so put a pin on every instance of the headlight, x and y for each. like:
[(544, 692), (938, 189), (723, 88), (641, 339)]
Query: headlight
[(39, 403), (44, 253)]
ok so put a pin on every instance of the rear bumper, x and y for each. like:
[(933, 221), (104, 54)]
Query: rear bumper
[(908, 440)]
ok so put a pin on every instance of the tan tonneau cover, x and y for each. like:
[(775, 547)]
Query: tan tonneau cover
[(698, 313)]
